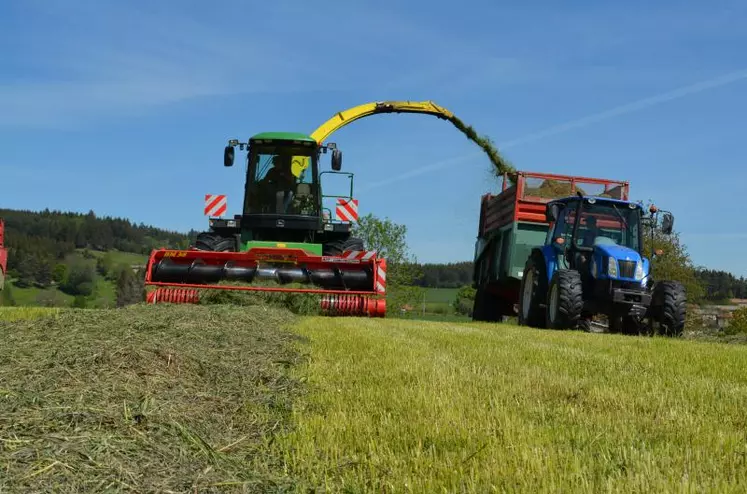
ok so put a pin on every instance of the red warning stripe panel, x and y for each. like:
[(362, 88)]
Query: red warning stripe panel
[(380, 279), (363, 255), (216, 205), (347, 210)]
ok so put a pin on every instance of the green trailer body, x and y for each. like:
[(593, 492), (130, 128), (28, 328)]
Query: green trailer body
[(511, 224)]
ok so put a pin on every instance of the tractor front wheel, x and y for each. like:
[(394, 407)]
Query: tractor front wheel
[(668, 307), (564, 300)]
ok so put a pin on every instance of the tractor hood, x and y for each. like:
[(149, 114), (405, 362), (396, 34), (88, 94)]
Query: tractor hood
[(635, 269), (618, 252)]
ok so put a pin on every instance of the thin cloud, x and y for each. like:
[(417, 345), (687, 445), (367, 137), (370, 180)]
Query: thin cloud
[(580, 122)]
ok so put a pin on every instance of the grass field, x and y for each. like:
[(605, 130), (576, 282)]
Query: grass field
[(436, 407), (234, 399)]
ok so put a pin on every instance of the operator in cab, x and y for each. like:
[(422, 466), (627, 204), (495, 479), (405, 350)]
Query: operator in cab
[(280, 184), (591, 233)]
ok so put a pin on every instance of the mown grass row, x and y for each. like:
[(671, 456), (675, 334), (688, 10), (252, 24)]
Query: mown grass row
[(144, 399)]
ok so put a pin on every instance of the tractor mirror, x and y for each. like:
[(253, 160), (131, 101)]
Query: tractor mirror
[(667, 224), (552, 212), (228, 156), (336, 159)]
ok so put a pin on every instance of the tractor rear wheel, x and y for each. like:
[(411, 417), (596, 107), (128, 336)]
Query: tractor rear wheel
[(668, 306), (564, 300), (338, 246), (213, 242), (533, 292)]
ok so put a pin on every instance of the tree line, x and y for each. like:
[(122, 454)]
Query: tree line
[(39, 244)]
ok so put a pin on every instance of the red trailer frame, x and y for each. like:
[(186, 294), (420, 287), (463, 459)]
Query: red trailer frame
[(520, 201)]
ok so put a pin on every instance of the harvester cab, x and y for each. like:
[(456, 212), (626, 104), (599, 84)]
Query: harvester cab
[(593, 262), (284, 199)]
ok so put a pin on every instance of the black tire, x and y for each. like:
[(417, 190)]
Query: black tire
[(669, 301), (565, 300), (624, 324), (532, 299), (486, 307), (213, 242), (338, 246)]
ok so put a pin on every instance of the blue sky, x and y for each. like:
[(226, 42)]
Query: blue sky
[(124, 108)]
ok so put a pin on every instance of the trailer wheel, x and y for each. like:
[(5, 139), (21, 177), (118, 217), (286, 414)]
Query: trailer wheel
[(337, 247), (533, 292), (565, 300), (214, 242), (668, 306), (486, 307)]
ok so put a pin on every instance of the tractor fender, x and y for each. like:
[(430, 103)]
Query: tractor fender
[(548, 256)]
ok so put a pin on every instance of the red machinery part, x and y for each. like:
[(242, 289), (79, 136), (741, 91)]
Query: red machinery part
[(180, 274)]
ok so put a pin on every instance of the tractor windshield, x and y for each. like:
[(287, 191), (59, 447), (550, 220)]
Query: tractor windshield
[(602, 223), (280, 180)]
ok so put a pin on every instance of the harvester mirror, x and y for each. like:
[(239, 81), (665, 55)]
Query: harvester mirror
[(228, 154), (336, 159), (667, 224)]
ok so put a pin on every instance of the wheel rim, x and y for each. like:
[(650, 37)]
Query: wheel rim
[(528, 289), (553, 302)]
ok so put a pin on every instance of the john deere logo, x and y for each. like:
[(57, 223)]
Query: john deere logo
[(280, 223)]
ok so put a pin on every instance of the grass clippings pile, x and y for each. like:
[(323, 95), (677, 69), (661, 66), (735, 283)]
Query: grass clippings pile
[(145, 399)]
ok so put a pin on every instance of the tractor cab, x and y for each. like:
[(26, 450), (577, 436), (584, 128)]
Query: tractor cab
[(601, 238)]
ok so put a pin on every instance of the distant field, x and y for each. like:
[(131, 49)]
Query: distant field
[(105, 293), (124, 257), (439, 300), (415, 406)]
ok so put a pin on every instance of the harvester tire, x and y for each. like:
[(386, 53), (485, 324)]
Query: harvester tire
[(337, 247), (531, 298), (565, 300), (669, 300), (215, 243)]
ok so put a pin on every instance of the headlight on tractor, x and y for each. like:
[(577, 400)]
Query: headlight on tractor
[(638, 271), (612, 267)]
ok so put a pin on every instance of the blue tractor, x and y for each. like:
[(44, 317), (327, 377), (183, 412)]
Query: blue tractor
[(593, 263)]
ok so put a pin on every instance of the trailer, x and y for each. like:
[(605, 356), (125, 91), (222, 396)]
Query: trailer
[(514, 222)]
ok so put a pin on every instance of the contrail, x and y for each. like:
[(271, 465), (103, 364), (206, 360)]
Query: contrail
[(579, 122)]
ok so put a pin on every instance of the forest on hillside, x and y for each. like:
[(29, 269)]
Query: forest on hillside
[(40, 242)]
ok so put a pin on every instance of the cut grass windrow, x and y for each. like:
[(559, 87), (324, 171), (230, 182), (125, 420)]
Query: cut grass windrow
[(405, 406), (144, 399)]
